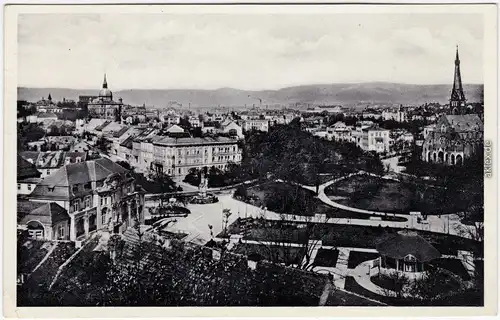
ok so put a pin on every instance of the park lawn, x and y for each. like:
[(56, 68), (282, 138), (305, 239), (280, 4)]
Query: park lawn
[(377, 194), (326, 258), (343, 235), (453, 265), (358, 257), (386, 282), (273, 253), (264, 195)]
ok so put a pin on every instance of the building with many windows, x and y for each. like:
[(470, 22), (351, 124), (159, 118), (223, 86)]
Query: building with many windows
[(256, 124), (372, 138), (96, 194), (176, 156)]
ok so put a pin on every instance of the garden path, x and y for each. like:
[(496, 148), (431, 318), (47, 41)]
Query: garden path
[(362, 274), (449, 223)]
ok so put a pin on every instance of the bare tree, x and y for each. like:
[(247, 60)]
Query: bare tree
[(293, 243)]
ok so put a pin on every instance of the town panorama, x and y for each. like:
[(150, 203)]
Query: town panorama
[(255, 203)]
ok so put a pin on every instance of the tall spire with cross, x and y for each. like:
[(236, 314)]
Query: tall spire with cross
[(457, 99), (105, 83)]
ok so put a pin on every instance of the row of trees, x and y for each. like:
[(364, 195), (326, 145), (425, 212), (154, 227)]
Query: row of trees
[(289, 153)]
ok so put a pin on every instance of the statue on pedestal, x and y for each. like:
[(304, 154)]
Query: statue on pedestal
[(203, 185)]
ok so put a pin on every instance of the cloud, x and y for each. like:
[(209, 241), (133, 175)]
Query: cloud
[(244, 51)]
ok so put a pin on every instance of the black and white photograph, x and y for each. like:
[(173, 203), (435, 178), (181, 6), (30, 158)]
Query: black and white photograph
[(253, 159)]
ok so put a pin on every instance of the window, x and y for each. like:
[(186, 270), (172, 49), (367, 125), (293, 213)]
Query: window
[(75, 188), (76, 205), (48, 172), (87, 186), (18, 186), (61, 231), (102, 201), (88, 202), (29, 187)]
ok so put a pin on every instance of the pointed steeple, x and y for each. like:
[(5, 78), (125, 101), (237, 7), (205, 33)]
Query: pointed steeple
[(457, 99), (50, 97), (105, 83)]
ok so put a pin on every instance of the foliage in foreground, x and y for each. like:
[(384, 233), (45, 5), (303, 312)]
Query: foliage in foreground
[(182, 276)]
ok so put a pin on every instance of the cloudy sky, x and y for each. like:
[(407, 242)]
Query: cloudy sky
[(245, 51)]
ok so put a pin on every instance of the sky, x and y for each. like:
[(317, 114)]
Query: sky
[(252, 52)]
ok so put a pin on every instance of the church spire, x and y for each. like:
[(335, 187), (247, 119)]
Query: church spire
[(49, 97), (105, 83), (457, 99)]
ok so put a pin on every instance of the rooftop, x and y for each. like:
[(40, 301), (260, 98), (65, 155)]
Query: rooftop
[(406, 242), (169, 141)]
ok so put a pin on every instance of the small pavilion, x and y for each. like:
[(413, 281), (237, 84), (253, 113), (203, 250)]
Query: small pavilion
[(406, 252)]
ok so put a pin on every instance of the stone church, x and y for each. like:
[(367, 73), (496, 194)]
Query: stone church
[(455, 136), (104, 107)]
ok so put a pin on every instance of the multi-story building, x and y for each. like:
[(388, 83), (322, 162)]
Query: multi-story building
[(176, 156), (399, 114), (372, 138), (194, 121), (27, 176), (340, 132), (96, 194), (256, 124)]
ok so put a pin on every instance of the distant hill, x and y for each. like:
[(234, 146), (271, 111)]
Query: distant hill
[(343, 94)]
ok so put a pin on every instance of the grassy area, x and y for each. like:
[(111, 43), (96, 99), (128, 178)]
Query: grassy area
[(273, 253), (377, 194), (340, 235), (453, 265), (326, 258), (357, 257), (293, 199), (387, 282), (469, 297)]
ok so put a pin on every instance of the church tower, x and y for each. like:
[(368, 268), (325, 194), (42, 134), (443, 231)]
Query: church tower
[(457, 99)]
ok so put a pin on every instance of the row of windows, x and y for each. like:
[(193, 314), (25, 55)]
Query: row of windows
[(76, 187), (79, 205), (19, 186)]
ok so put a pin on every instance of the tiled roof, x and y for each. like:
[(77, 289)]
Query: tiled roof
[(102, 126), (467, 122), (46, 115), (25, 169), (48, 213), (52, 159), (120, 132), (127, 143), (58, 185)]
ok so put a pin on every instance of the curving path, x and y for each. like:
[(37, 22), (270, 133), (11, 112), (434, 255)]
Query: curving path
[(448, 223)]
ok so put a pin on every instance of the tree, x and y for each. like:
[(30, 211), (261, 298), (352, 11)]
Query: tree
[(103, 144), (164, 183), (286, 243), (436, 284)]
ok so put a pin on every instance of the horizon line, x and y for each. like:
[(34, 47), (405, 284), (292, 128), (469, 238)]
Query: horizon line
[(263, 89)]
